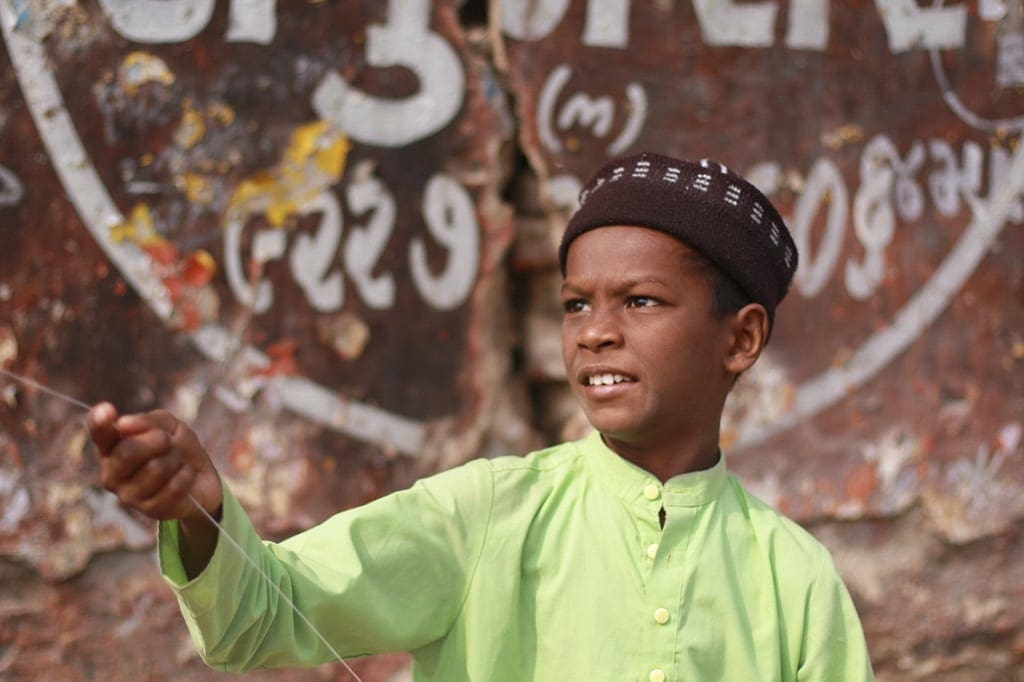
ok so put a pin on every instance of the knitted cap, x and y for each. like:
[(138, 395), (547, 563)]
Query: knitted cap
[(708, 207)]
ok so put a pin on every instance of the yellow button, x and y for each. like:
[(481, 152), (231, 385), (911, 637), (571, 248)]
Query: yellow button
[(651, 492), (652, 551), (657, 675), (661, 616)]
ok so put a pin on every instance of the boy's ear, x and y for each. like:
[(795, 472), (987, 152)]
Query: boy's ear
[(749, 333)]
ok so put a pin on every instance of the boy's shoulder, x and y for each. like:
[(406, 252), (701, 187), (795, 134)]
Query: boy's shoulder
[(793, 547), (562, 456), (509, 470)]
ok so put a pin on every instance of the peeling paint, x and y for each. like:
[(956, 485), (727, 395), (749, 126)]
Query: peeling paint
[(14, 496), (761, 396), (186, 278), (141, 68), (346, 334), (312, 162), (891, 454), (282, 360), (920, 404), (8, 346), (265, 474), (973, 500), (1008, 439), (199, 189), (849, 133), (192, 127)]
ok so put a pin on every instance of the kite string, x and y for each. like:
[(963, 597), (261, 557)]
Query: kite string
[(220, 528), (45, 389)]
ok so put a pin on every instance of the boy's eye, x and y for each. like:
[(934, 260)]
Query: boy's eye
[(641, 302), (573, 305)]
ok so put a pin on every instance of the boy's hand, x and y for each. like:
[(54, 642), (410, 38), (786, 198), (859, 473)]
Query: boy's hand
[(153, 462)]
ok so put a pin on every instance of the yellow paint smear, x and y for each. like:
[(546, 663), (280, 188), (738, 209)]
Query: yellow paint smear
[(140, 68), (192, 127), (313, 161), (220, 112), (138, 229), (204, 259), (139, 223), (198, 188), (842, 136)]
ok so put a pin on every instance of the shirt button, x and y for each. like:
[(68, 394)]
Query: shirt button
[(652, 551), (657, 675), (661, 616), (651, 492)]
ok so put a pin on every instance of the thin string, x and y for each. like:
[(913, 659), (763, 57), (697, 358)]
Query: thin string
[(271, 583), (220, 529), (45, 389)]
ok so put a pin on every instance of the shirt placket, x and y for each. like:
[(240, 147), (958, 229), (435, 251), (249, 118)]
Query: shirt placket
[(664, 550)]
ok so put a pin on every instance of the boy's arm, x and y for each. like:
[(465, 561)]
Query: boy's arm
[(388, 576), (834, 646)]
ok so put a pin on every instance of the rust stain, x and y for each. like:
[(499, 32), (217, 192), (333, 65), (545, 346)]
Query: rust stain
[(861, 483)]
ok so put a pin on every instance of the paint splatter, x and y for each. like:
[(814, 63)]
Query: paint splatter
[(192, 127), (282, 360), (346, 334), (314, 160), (186, 278), (140, 68)]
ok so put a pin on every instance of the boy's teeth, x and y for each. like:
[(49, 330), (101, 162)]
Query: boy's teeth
[(605, 379)]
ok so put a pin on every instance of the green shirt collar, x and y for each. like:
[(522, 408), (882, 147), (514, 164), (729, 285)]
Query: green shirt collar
[(632, 483)]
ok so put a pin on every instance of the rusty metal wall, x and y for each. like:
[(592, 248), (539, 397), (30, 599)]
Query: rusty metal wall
[(324, 232)]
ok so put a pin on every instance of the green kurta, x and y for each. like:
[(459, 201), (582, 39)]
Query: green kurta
[(551, 566)]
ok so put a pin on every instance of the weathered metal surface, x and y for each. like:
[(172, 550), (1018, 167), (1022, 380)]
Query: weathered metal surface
[(284, 222), (281, 222), (888, 136)]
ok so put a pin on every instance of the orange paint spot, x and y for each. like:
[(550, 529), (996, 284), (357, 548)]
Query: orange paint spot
[(175, 288), (861, 482), (162, 252), (282, 359), (192, 318), (199, 268)]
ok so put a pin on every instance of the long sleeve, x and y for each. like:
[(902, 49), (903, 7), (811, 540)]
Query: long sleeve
[(388, 576), (833, 643)]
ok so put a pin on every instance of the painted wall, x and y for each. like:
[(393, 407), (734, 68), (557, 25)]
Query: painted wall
[(324, 233)]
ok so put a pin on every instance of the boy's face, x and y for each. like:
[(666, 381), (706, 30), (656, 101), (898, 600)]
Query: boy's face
[(638, 312)]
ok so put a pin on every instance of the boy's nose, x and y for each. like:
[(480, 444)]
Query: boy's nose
[(601, 330)]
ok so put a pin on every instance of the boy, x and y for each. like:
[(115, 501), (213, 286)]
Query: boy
[(632, 554)]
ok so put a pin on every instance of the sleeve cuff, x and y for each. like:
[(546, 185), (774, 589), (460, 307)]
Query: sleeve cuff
[(234, 522)]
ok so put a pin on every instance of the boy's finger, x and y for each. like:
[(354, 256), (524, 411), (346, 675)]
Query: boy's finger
[(132, 424), (101, 420), (134, 452), (150, 479)]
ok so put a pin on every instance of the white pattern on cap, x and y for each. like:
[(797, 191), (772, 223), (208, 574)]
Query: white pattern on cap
[(721, 215)]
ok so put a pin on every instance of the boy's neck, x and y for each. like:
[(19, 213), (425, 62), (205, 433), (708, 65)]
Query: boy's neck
[(672, 459)]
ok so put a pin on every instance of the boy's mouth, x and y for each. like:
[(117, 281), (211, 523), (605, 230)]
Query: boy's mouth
[(602, 378)]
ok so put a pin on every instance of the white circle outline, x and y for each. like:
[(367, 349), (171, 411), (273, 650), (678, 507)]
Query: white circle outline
[(374, 425), (99, 213)]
